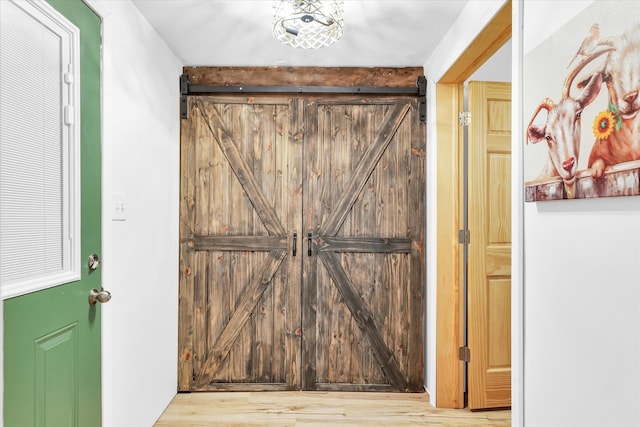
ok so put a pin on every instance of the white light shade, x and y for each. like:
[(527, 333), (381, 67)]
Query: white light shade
[(308, 24)]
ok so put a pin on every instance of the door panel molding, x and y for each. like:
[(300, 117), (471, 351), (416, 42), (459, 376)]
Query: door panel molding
[(57, 376)]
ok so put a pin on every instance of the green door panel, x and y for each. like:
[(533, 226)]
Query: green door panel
[(52, 337)]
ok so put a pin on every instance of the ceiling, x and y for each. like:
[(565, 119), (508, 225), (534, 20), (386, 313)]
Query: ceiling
[(377, 33)]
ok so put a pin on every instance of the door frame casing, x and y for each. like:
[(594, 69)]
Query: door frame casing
[(449, 287)]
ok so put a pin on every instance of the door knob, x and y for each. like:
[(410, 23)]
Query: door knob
[(100, 296)]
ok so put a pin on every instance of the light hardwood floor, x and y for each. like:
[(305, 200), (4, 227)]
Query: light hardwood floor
[(278, 409)]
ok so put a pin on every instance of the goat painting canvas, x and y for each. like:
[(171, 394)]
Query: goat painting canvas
[(581, 107)]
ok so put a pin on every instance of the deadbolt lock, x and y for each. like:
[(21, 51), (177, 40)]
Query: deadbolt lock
[(94, 262)]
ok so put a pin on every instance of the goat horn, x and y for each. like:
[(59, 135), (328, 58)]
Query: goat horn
[(546, 104), (566, 88)]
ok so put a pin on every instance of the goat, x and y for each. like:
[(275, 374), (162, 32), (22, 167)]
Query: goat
[(621, 74), (561, 129)]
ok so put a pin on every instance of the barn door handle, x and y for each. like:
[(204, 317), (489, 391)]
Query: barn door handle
[(309, 244), (295, 244)]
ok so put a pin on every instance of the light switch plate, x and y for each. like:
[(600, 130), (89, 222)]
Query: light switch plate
[(119, 207)]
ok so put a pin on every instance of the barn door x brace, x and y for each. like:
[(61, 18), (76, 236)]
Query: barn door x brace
[(186, 89)]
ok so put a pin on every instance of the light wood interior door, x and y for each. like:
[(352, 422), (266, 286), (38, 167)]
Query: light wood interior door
[(302, 236), (489, 264)]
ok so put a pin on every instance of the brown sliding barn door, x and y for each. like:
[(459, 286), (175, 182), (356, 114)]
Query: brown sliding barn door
[(363, 275), (302, 232), (240, 287)]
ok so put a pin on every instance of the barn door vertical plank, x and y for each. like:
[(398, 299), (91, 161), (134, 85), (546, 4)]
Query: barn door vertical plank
[(207, 179), (398, 265), (310, 184), (311, 169), (335, 324), (216, 175), (359, 354), (186, 279), (417, 203), (291, 139), (388, 298), (244, 354), (269, 357), (382, 302)]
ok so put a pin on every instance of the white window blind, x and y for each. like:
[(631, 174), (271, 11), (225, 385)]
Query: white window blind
[(39, 204)]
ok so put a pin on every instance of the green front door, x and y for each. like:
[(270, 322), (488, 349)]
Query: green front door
[(52, 337)]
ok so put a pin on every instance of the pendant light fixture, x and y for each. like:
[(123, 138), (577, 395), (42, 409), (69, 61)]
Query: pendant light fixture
[(308, 24)]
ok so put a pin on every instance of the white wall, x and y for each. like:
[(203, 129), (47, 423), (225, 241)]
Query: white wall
[(141, 160), (581, 291)]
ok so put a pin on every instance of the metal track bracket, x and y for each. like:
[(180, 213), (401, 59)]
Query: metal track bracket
[(184, 92), (422, 93)]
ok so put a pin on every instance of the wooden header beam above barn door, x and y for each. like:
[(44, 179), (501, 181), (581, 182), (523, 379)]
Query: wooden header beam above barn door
[(303, 80)]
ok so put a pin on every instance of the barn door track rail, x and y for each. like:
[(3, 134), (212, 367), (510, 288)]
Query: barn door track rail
[(186, 89)]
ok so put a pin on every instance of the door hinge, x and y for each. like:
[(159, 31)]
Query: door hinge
[(464, 236), (464, 354), (464, 118)]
